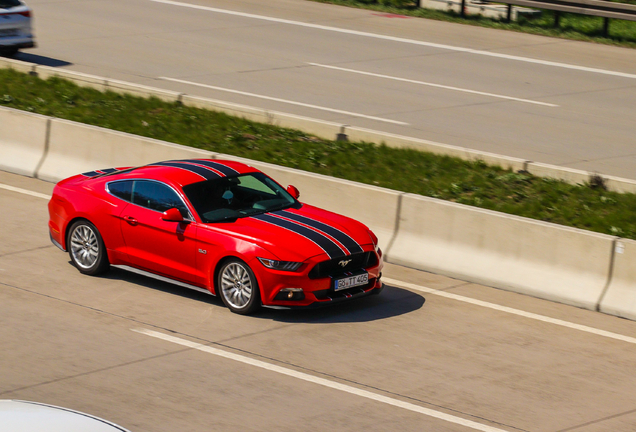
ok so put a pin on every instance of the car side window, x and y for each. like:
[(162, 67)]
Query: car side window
[(121, 189), (157, 196)]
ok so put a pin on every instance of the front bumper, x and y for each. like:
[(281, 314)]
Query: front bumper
[(316, 292), (8, 44)]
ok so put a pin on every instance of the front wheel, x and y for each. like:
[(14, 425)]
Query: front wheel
[(86, 248), (238, 288)]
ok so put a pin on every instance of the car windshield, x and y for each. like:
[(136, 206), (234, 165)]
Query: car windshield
[(6, 4), (230, 198)]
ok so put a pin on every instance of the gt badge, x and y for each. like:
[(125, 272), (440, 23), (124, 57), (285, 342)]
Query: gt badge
[(344, 263)]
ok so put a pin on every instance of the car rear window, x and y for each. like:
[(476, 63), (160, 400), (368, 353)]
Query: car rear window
[(6, 4), (121, 189)]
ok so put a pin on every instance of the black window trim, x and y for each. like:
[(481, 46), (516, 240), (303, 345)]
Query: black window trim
[(189, 218)]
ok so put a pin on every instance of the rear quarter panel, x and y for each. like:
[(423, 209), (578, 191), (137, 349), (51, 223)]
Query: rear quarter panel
[(76, 198)]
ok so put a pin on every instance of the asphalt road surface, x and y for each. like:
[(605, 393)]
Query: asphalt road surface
[(429, 354), (542, 99)]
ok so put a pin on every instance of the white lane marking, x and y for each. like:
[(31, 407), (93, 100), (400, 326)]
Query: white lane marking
[(24, 191), (285, 101), (320, 381), (510, 310), (434, 85), (403, 40)]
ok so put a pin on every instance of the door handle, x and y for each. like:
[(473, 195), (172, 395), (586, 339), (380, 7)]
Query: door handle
[(131, 220)]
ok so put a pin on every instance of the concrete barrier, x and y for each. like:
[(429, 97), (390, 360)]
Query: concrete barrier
[(142, 90), (620, 298), (400, 141), (75, 148), (575, 176), (81, 79), (568, 175), (374, 206), (620, 185), (320, 128), (22, 141), (540, 259), (17, 65)]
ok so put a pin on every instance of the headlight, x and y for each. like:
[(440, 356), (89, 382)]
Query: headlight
[(280, 265)]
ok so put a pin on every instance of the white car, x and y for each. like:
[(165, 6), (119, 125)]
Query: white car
[(23, 416), (15, 27)]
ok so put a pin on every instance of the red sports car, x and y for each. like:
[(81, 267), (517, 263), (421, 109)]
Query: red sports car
[(216, 226)]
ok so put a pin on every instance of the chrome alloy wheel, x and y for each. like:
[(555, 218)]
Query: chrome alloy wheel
[(236, 285), (84, 246)]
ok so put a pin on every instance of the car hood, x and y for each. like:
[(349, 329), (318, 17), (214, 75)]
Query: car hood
[(300, 234)]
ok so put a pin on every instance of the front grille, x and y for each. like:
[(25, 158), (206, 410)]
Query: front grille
[(333, 267)]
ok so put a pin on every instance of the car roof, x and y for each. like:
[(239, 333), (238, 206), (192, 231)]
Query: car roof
[(182, 172), (25, 416)]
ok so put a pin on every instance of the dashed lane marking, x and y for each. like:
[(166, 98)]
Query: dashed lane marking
[(321, 381), (24, 191)]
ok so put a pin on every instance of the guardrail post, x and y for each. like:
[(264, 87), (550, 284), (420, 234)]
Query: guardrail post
[(509, 15), (462, 12), (557, 18), (606, 27)]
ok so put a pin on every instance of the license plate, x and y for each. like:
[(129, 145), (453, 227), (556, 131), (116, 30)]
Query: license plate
[(8, 32), (351, 281)]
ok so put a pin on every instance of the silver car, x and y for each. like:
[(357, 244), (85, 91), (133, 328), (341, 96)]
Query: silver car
[(24, 416), (15, 27)]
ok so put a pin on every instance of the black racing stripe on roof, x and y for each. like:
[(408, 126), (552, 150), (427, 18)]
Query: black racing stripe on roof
[(339, 235), (108, 170), (216, 165), (203, 172), (328, 245), (91, 174)]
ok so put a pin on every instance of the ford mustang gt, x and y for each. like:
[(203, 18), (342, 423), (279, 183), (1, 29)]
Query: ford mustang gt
[(220, 227)]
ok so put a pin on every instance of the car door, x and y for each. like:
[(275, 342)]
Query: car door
[(155, 245)]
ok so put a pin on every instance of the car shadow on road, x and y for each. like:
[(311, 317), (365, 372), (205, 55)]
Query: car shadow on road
[(391, 302), (40, 60)]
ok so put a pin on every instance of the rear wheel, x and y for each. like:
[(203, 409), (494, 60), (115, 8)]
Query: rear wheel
[(8, 52), (237, 286), (86, 248)]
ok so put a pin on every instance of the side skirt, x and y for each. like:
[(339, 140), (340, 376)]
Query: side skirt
[(162, 278)]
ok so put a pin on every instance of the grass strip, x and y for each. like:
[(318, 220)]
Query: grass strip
[(448, 178), (571, 26)]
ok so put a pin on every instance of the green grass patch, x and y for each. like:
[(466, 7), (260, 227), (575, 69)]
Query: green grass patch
[(448, 178), (572, 26)]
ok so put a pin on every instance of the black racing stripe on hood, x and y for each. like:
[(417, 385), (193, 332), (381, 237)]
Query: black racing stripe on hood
[(325, 243), (215, 165), (339, 235), (203, 172), (91, 174)]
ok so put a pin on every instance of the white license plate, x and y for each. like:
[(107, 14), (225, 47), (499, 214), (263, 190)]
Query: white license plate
[(351, 281)]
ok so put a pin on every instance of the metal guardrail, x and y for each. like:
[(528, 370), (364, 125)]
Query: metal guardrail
[(601, 8)]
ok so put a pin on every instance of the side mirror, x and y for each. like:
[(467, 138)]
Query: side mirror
[(172, 215), (293, 191)]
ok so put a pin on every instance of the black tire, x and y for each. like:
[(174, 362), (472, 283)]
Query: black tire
[(238, 288), (8, 52), (86, 248)]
